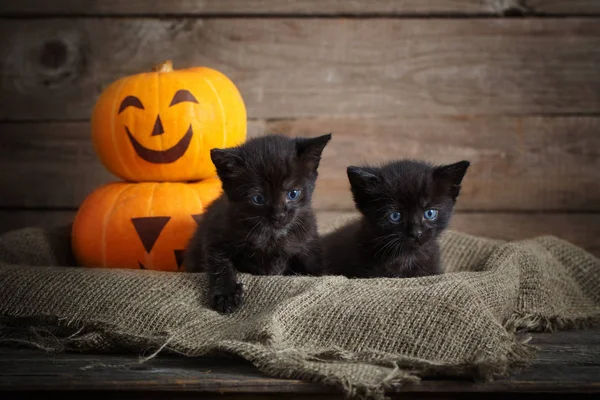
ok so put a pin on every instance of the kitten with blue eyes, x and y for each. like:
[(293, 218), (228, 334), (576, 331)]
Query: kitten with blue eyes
[(263, 223), (404, 205)]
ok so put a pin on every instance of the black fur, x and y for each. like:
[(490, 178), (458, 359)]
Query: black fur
[(278, 237), (374, 246)]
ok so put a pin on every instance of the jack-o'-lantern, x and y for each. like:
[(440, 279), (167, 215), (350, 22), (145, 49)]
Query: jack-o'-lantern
[(161, 125), (140, 225)]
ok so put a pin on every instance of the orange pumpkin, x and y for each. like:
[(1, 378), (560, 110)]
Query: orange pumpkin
[(161, 125), (140, 225)]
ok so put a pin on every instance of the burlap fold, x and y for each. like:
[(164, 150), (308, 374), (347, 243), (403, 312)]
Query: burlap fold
[(363, 336)]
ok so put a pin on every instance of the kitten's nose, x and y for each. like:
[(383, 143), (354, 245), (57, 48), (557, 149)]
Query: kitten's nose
[(278, 216), (415, 233)]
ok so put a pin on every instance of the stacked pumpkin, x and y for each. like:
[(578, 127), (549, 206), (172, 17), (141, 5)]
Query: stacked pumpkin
[(154, 131)]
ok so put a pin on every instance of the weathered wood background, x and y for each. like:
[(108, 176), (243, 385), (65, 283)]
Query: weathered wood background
[(512, 86)]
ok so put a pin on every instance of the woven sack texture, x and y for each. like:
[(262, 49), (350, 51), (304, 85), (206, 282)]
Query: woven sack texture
[(364, 336)]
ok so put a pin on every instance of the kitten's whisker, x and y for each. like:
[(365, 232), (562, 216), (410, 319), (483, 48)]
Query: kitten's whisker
[(377, 242), (391, 248), (385, 248), (381, 238), (244, 243), (301, 225), (381, 249), (399, 249), (249, 218)]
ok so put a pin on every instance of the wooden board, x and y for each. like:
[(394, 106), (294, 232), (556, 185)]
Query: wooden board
[(44, 167), (567, 363), (531, 163), (302, 7), (580, 229), (54, 69), (22, 218), (518, 163)]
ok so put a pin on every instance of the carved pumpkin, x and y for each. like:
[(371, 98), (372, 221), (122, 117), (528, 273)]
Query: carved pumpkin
[(140, 225), (161, 125)]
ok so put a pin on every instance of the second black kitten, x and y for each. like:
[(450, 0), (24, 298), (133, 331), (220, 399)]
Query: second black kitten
[(405, 206), (263, 224)]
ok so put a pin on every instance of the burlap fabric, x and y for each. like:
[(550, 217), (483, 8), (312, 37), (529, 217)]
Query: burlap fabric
[(363, 336)]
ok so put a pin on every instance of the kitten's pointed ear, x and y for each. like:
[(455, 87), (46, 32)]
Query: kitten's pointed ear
[(309, 150), (362, 179), (227, 161), (451, 176)]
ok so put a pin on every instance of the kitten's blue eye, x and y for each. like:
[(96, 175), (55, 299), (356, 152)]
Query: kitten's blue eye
[(258, 199), (293, 194), (431, 214), (394, 216)]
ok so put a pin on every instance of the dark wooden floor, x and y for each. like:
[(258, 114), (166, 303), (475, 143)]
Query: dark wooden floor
[(567, 365)]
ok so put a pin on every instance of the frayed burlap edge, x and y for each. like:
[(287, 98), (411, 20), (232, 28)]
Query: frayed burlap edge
[(524, 322), (52, 335)]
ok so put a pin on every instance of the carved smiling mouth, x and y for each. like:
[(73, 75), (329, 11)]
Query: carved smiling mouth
[(162, 156)]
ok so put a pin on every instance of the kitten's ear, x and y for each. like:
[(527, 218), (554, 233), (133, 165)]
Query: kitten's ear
[(362, 179), (309, 150), (227, 161), (451, 176)]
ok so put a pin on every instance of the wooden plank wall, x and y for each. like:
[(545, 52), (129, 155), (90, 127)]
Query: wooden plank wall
[(513, 86)]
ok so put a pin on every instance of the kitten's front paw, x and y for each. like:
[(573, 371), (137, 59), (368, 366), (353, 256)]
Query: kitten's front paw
[(228, 300)]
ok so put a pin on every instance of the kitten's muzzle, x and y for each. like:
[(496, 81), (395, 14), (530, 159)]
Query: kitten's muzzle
[(278, 216), (416, 235), (279, 219)]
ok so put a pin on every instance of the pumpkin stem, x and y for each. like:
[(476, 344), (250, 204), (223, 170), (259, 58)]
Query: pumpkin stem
[(165, 66)]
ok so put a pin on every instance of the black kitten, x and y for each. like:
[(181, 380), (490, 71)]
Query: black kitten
[(263, 224), (405, 205)]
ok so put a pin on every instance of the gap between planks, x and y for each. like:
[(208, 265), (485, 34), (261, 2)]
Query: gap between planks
[(308, 8)]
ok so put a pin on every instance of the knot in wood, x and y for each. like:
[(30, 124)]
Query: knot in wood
[(54, 54)]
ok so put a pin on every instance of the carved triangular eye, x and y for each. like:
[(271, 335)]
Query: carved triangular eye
[(181, 96), (149, 229), (197, 218)]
